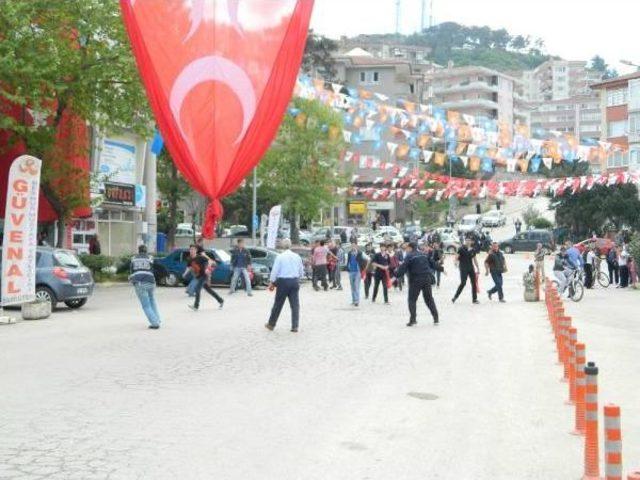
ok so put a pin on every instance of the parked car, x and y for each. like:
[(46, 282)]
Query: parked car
[(365, 235), (412, 231), (175, 264), (528, 241), (305, 254), (61, 277), (263, 256), (450, 242), (335, 233), (186, 230), (494, 218), (239, 231), (470, 223), (387, 234), (603, 245)]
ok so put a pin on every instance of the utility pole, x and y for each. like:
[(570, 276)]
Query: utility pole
[(254, 213), (431, 14), (398, 7), (423, 16)]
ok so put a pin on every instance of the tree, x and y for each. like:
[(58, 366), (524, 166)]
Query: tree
[(173, 188), (66, 58), (300, 171), (599, 64), (318, 56), (593, 210)]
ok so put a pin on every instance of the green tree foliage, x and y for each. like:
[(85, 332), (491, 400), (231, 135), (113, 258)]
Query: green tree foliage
[(301, 169), (600, 65), (593, 210), (474, 45), (565, 169), (56, 56), (318, 56), (174, 188)]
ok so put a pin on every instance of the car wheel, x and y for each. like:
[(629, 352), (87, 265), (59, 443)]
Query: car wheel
[(508, 249), (45, 294), (171, 280), (77, 303)]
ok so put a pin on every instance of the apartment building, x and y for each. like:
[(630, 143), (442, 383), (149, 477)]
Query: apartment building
[(395, 78), (386, 48), (478, 91), (559, 80), (620, 119), (578, 115)]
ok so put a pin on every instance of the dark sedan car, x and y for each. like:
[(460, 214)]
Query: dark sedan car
[(61, 277), (527, 241)]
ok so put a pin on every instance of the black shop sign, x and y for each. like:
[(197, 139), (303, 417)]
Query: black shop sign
[(120, 194)]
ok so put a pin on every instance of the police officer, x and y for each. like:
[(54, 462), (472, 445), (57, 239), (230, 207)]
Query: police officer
[(144, 283), (420, 268)]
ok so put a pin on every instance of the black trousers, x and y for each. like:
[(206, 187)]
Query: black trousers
[(286, 288), (201, 284), (367, 284), (588, 275), (464, 275), (424, 287), (320, 275), (385, 291), (614, 273), (624, 276)]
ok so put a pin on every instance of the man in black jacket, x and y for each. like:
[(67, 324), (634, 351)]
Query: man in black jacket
[(420, 269), (240, 263)]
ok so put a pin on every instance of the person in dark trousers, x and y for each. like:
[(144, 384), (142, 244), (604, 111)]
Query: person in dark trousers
[(285, 279), (437, 259), (495, 264), (199, 265), (612, 265), (518, 225), (370, 270), (144, 283), (320, 258), (356, 265), (466, 261), (240, 263), (94, 246), (420, 270), (381, 263)]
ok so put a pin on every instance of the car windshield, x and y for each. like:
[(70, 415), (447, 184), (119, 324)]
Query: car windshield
[(224, 256), (493, 213), (469, 221), (67, 259)]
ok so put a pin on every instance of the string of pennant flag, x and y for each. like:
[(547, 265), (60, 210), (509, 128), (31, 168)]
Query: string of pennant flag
[(404, 184), (411, 131)]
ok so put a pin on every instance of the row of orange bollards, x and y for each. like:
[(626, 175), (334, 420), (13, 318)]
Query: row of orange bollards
[(582, 379)]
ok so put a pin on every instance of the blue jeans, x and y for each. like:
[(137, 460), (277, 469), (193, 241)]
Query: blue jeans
[(191, 287), (497, 280), (354, 280), (234, 279), (145, 292)]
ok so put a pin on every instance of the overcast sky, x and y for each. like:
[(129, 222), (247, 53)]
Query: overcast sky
[(572, 29)]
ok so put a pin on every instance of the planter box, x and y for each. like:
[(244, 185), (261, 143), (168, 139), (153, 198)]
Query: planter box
[(36, 311)]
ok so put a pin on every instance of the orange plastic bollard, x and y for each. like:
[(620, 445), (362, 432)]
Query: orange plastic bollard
[(563, 338), (634, 476), (612, 443), (580, 389), (573, 339), (591, 451), (566, 344)]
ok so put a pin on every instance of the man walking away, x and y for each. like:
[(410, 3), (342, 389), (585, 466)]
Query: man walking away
[(285, 279), (356, 265), (496, 265), (380, 263), (538, 256), (612, 265), (623, 258), (320, 254), (421, 277), (466, 261), (368, 250), (518, 225), (144, 283), (199, 264), (240, 262)]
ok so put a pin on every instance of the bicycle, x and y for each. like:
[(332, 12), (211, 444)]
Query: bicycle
[(601, 277), (575, 285)]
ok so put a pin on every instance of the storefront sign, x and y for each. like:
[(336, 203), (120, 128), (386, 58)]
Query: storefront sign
[(357, 208), (120, 194), (380, 205), (118, 161), (21, 232)]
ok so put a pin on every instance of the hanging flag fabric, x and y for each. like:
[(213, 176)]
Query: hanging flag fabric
[(158, 144), (219, 75)]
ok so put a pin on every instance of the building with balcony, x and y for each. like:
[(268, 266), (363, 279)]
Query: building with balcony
[(478, 91), (395, 78), (558, 80), (578, 116), (620, 119)]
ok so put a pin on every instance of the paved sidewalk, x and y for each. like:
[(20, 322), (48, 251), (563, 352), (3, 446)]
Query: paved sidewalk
[(355, 395)]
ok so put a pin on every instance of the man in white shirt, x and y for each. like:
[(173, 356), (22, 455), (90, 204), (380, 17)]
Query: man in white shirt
[(285, 279)]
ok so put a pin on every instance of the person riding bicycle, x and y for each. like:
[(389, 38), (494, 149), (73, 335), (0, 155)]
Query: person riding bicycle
[(563, 269)]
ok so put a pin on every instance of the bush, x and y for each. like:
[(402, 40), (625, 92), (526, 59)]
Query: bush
[(541, 223), (530, 215), (96, 263)]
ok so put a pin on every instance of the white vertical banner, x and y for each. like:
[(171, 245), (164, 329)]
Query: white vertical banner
[(21, 231), (274, 224)]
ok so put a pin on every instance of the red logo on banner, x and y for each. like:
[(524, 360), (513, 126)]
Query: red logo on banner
[(219, 76)]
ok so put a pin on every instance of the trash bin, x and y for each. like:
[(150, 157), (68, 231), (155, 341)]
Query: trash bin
[(161, 242)]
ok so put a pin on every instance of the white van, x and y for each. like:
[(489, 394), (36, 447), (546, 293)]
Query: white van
[(470, 223)]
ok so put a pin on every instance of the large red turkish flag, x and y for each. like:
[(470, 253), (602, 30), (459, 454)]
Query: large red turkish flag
[(219, 75)]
